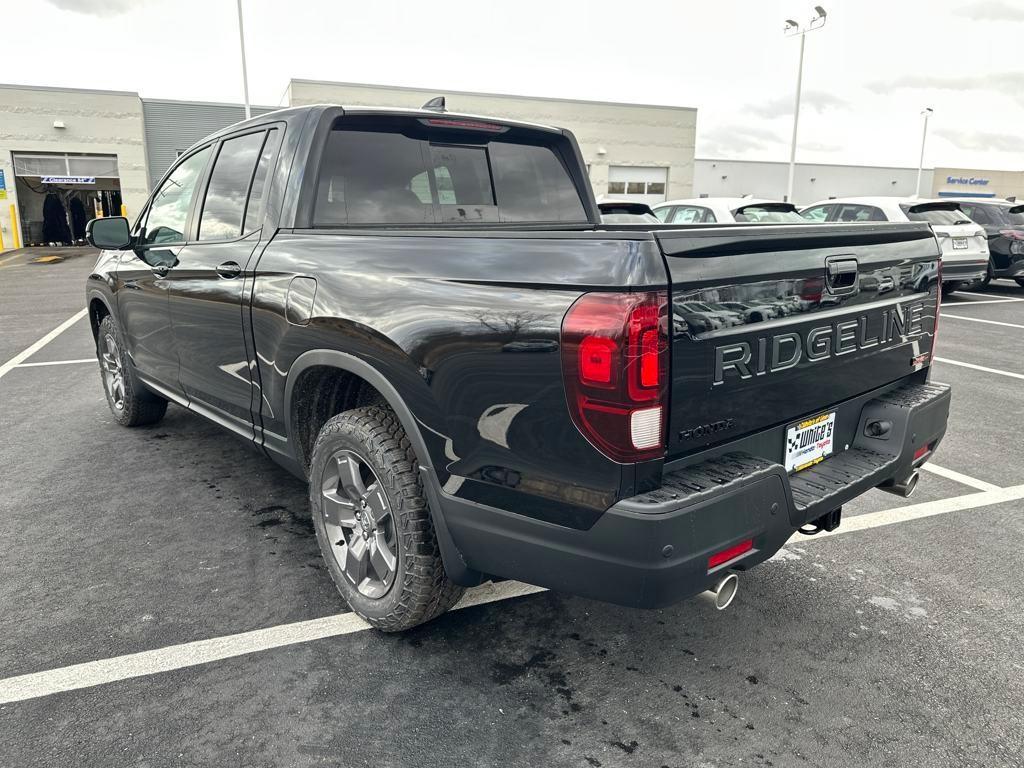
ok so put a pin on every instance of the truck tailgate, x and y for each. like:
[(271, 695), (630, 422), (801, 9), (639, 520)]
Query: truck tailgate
[(777, 324)]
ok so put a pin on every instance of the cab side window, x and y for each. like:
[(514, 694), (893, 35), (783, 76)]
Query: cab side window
[(168, 211), (257, 195), (228, 191)]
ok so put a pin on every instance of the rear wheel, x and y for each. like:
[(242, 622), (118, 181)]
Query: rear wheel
[(373, 524), (987, 278), (132, 404), (948, 288)]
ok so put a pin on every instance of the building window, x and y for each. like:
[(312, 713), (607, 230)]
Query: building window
[(638, 183)]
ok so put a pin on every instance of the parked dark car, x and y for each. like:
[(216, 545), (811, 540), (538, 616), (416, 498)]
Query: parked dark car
[(1003, 222), (422, 314)]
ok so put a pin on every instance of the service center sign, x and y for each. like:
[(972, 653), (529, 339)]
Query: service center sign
[(967, 180), (68, 179), (3, 185)]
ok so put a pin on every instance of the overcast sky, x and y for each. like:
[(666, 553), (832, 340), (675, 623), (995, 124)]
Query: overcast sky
[(868, 72)]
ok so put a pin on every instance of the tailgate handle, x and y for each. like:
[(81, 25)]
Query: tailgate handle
[(841, 275)]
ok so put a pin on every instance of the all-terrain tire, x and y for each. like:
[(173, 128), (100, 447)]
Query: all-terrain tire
[(131, 404), (420, 589)]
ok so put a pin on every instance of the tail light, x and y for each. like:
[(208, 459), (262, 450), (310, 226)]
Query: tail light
[(812, 289), (615, 364), (938, 306)]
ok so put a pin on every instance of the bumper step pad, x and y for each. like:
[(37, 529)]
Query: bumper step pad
[(917, 413)]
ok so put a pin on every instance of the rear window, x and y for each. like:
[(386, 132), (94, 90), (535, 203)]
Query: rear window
[(768, 214), (1015, 215), (940, 216), (377, 171)]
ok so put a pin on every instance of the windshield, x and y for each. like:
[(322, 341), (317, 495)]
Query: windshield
[(941, 216), (766, 214)]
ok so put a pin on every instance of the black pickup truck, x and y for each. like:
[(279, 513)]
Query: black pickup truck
[(421, 313)]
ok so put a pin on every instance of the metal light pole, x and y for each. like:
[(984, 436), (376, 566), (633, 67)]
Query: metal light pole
[(245, 74), (926, 113), (792, 28)]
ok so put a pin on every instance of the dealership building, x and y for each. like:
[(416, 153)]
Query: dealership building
[(817, 181), (67, 155), (85, 153)]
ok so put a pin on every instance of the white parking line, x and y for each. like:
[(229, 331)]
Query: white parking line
[(15, 361), (57, 362), (976, 303), (979, 320), (985, 295), (952, 474), (92, 673), (978, 367), (103, 671), (920, 511)]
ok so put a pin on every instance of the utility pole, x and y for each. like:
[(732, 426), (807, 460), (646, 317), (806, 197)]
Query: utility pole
[(245, 74), (792, 28), (925, 113)]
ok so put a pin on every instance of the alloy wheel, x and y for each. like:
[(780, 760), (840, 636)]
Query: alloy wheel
[(359, 524), (113, 372)]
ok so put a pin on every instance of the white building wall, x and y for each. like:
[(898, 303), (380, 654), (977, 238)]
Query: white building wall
[(97, 122), (609, 134), (972, 182), (812, 182)]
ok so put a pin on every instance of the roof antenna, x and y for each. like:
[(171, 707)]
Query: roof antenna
[(436, 104)]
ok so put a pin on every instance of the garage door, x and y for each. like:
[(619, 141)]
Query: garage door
[(645, 185), (65, 165)]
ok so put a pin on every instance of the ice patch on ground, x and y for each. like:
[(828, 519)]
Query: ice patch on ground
[(885, 602), (784, 554)]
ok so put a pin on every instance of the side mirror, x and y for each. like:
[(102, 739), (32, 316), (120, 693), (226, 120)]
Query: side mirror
[(110, 233)]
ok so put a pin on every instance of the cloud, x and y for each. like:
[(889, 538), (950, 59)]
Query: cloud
[(1008, 83), (98, 7), (984, 141), (817, 101), (734, 139), (992, 10)]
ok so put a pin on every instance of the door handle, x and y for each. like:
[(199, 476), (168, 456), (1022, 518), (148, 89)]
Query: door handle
[(229, 269)]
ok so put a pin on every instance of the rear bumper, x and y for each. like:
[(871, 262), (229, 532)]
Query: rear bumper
[(652, 550), (964, 271)]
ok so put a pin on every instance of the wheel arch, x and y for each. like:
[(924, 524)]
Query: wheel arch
[(454, 562), (99, 308), (345, 362)]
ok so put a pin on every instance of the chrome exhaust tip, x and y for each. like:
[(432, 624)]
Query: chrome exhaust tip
[(722, 593), (904, 487)]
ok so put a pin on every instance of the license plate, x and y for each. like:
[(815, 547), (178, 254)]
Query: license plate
[(960, 243), (810, 441)]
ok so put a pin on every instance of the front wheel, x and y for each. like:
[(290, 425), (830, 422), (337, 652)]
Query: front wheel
[(131, 404), (373, 524)]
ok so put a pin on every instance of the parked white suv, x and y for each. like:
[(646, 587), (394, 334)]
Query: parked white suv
[(964, 243), (710, 210)]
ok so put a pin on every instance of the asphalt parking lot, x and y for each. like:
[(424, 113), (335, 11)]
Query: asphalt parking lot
[(163, 603)]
